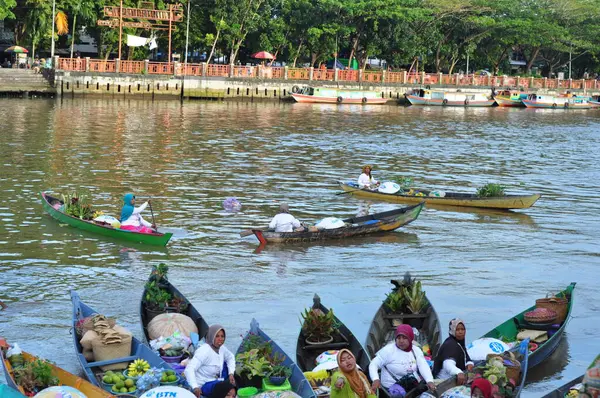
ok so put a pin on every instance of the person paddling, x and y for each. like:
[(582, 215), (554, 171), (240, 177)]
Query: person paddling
[(131, 219), (366, 179)]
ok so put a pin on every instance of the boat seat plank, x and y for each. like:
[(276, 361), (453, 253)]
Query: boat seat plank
[(325, 347), (111, 361)]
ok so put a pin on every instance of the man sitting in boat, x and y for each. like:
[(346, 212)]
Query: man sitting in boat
[(366, 180), (131, 219), (284, 221)]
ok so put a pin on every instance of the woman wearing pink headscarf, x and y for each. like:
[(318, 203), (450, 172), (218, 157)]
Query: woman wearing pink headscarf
[(399, 359)]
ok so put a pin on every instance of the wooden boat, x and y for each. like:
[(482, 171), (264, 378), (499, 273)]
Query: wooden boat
[(300, 385), (356, 226), (563, 390), (92, 369), (521, 356), (306, 354), (190, 311), (383, 326), (65, 379), (556, 102), (510, 328), (157, 238), (451, 198), (594, 104), (447, 98), (510, 98), (336, 96)]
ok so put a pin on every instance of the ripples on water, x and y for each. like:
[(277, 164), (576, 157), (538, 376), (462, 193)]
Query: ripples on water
[(483, 266)]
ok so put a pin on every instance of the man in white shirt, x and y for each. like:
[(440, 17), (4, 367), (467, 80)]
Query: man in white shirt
[(284, 221)]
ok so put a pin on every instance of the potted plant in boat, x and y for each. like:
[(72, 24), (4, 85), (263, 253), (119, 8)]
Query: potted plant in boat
[(157, 299), (279, 374), (395, 301), (318, 327), (252, 367), (416, 303), (35, 376)]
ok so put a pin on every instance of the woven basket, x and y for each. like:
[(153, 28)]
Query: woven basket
[(556, 304), (513, 371), (540, 315)]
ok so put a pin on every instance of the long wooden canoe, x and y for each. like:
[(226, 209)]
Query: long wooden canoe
[(383, 326), (451, 198), (510, 328), (356, 226), (92, 369), (300, 385), (65, 378), (521, 355), (561, 391), (191, 311), (158, 239), (306, 354)]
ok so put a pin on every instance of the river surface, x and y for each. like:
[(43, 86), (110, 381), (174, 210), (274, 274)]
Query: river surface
[(482, 266)]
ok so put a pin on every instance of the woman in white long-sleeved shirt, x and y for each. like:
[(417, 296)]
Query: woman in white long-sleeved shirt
[(211, 364), (284, 221), (452, 358), (131, 219), (399, 359), (366, 180)]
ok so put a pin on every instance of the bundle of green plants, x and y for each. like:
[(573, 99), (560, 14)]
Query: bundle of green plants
[(35, 376), (409, 296), (405, 182), (251, 363), (76, 205), (490, 190)]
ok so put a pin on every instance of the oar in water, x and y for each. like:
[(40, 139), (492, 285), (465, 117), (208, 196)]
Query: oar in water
[(248, 232), (152, 213)]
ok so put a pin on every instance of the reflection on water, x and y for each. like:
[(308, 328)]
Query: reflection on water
[(481, 265)]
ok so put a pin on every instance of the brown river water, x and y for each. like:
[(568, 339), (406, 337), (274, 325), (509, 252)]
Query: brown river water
[(482, 266)]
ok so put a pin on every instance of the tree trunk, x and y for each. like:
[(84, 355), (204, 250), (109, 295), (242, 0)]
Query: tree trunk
[(73, 36), (212, 50), (499, 61), (297, 53), (33, 49), (534, 55), (354, 48)]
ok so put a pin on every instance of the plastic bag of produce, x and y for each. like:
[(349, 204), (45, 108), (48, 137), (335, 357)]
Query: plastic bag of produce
[(165, 325), (457, 392), (480, 348), (109, 220), (14, 350), (388, 187), (330, 223)]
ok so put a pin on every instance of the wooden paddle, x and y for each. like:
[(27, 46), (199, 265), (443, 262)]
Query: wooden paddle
[(248, 232), (152, 213)]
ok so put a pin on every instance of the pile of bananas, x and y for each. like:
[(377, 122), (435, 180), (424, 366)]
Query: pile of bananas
[(138, 368)]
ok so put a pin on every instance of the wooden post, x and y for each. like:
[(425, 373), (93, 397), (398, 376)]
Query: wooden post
[(423, 77), (360, 75), (170, 29), (440, 78), (285, 73), (87, 64), (204, 68), (404, 77), (311, 72), (120, 27), (545, 85), (335, 74), (383, 73), (118, 65), (518, 81), (147, 65), (531, 82)]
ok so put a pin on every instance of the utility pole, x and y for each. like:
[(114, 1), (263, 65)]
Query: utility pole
[(120, 28), (187, 33), (53, 17), (467, 64), (570, 63)]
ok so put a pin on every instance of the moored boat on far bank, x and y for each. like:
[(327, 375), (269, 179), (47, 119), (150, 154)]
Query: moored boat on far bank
[(510, 98), (556, 102), (449, 98), (336, 96)]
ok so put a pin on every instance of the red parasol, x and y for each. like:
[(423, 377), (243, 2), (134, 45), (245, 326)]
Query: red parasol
[(263, 55)]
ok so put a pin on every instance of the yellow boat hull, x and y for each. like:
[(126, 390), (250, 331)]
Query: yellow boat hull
[(65, 378), (465, 200)]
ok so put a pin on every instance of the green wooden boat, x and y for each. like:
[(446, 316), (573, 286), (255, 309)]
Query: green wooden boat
[(510, 328), (158, 239)]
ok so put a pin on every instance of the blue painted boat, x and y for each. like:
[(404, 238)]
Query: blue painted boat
[(138, 350), (190, 311), (9, 392), (300, 385), (561, 391)]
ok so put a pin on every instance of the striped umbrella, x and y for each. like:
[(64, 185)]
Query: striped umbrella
[(16, 49)]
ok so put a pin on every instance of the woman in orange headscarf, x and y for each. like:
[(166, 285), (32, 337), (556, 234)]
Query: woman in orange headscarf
[(348, 381)]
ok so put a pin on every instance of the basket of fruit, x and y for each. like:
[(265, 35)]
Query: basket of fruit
[(169, 378), (540, 316), (110, 378)]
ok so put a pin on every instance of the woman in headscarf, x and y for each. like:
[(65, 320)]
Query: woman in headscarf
[(131, 219), (348, 381), (366, 180), (223, 390), (398, 359), (481, 388), (453, 359), (211, 364), (284, 221)]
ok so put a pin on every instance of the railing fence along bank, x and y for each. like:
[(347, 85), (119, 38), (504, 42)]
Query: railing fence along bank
[(314, 74)]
